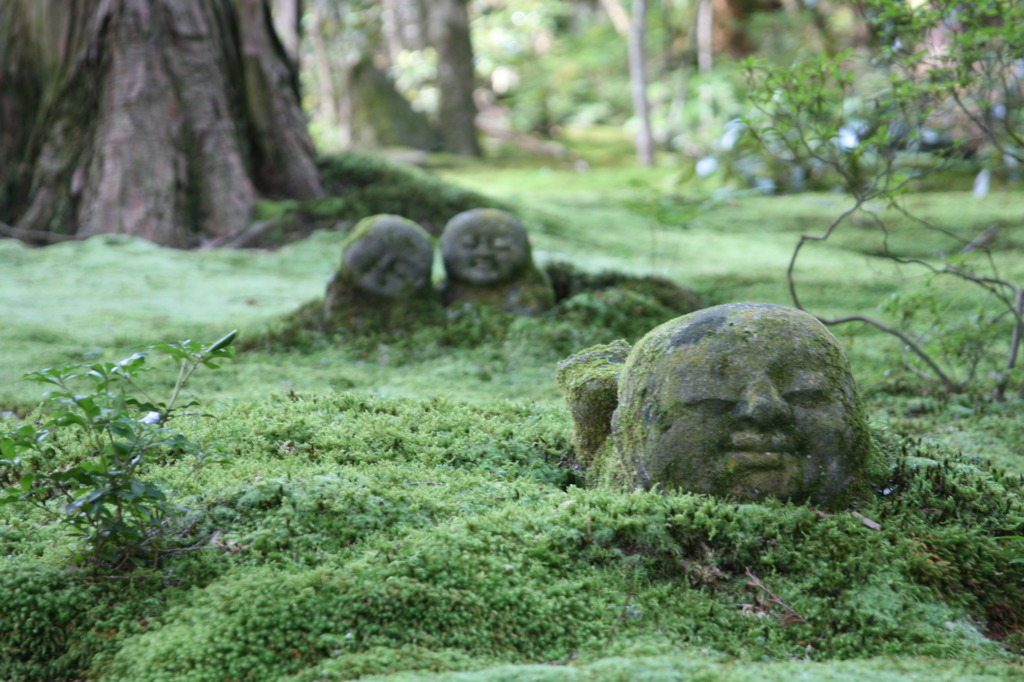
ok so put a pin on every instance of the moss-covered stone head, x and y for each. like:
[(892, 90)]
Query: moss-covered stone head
[(388, 256), (750, 400), (484, 247)]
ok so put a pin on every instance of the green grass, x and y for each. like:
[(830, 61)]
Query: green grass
[(407, 508)]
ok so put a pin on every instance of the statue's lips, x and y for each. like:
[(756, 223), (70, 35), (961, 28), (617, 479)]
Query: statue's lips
[(744, 459), (482, 265)]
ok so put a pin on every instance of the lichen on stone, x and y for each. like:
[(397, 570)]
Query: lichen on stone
[(487, 259), (384, 278), (589, 380), (747, 400)]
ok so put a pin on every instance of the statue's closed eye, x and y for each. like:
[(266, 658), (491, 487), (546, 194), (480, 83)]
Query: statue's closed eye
[(711, 405), (806, 397)]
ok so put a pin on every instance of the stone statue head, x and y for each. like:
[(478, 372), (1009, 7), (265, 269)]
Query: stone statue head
[(388, 256), (749, 400), (484, 247)]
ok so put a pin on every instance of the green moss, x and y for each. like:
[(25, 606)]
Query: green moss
[(363, 184), (529, 294), (356, 533), (58, 621), (345, 665), (569, 280), (589, 380), (708, 667), (667, 572)]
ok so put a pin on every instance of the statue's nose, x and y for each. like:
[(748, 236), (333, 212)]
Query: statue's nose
[(762, 404)]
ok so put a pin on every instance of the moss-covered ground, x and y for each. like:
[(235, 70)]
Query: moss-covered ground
[(408, 507)]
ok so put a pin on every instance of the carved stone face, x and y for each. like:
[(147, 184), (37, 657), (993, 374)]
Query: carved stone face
[(749, 400), (390, 257), (484, 247)]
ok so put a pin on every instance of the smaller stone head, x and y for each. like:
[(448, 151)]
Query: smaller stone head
[(388, 256), (484, 247), (749, 400)]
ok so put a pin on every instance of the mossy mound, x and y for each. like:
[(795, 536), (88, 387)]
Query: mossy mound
[(363, 184), (357, 536), (588, 316), (568, 280), (359, 185)]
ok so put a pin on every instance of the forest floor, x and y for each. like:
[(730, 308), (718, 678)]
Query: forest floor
[(93, 300), (405, 509)]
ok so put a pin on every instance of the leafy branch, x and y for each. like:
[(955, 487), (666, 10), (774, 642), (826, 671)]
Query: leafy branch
[(120, 517)]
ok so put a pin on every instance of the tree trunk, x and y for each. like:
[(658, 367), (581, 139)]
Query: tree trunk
[(705, 35), (449, 32), (288, 26), (164, 119), (638, 82), (404, 27), (329, 104), (20, 95)]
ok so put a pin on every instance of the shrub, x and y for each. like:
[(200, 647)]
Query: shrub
[(87, 455)]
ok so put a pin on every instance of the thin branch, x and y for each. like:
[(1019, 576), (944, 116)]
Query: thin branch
[(804, 238), (246, 237), (940, 376), (1018, 330), (791, 616), (985, 129)]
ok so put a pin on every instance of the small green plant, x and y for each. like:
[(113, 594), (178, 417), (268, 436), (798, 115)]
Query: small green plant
[(82, 464)]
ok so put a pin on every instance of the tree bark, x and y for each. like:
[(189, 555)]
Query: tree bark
[(638, 82), (449, 32), (164, 119), (20, 95)]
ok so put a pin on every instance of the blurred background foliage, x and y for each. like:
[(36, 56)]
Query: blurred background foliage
[(544, 71), (867, 99)]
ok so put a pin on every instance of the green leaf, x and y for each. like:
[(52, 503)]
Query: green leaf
[(145, 405), (70, 420), (223, 342), (132, 365), (122, 450), (123, 429), (89, 500)]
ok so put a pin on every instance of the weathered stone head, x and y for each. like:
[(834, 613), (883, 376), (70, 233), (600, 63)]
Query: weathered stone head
[(388, 256), (385, 273), (487, 258), (484, 247), (750, 400)]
